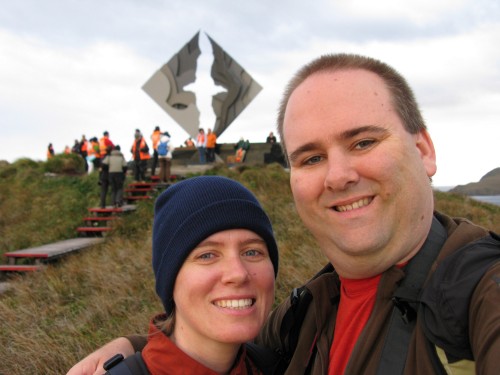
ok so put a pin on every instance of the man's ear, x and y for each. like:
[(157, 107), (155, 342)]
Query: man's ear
[(427, 152)]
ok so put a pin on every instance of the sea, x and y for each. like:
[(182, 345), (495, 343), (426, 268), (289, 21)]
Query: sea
[(493, 199)]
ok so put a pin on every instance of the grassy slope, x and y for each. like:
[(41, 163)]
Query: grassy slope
[(53, 318)]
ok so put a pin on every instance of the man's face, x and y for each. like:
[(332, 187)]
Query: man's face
[(360, 181)]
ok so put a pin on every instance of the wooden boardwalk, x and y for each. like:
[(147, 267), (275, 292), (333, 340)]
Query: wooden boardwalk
[(97, 224), (53, 250)]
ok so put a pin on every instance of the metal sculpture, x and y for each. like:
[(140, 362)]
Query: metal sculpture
[(166, 85)]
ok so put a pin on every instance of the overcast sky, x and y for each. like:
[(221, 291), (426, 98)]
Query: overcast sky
[(72, 67)]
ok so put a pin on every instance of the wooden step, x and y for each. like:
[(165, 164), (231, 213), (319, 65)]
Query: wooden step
[(52, 250), (138, 190), (143, 185), (107, 210), (99, 218), (137, 197), (93, 231), (111, 210), (19, 268)]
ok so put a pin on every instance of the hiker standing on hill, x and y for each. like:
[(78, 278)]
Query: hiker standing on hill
[(211, 143), (104, 179), (165, 157), (408, 290), (94, 153), (215, 280), (116, 166), (201, 144), (105, 144), (271, 138), (84, 144), (50, 151), (140, 153), (155, 139)]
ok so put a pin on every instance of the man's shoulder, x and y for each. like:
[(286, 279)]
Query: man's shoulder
[(446, 298)]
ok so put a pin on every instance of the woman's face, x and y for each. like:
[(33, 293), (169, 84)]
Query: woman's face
[(224, 290)]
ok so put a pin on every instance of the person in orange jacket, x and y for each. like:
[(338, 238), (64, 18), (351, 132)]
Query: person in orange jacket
[(50, 151), (211, 143), (105, 145), (140, 154), (155, 140), (83, 151), (94, 153)]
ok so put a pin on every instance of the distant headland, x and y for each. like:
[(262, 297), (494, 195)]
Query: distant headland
[(489, 184)]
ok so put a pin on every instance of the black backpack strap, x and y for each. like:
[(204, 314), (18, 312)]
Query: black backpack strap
[(446, 300), (292, 320), (265, 359), (406, 300), (133, 365)]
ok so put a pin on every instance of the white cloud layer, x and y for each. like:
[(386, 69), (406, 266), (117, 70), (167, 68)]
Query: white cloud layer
[(69, 68)]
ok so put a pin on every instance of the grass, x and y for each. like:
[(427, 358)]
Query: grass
[(51, 319)]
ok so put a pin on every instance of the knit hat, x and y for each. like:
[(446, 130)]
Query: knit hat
[(192, 210)]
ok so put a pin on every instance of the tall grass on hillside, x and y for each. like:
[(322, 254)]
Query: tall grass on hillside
[(480, 213), (38, 206), (51, 319)]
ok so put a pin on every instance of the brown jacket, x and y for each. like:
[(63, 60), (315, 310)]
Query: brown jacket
[(319, 322)]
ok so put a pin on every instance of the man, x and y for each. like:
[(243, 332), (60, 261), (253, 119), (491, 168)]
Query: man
[(201, 145), (116, 166), (211, 143), (271, 138), (84, 144), (105, 144), (94, 153), (155, 140), (140, 154), (361, 160)]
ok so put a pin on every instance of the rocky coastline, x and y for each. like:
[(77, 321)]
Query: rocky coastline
[(489, 184)]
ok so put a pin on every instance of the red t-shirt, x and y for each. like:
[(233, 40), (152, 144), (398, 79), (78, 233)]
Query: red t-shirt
[(357, 298)]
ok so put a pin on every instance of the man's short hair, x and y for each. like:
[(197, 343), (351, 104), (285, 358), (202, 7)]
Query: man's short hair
[(402, 95)]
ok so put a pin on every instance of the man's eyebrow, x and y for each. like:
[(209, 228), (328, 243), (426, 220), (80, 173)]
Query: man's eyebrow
[(304, 148), (351, 133)]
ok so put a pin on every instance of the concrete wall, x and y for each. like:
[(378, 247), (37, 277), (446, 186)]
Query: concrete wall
[(255, 155)]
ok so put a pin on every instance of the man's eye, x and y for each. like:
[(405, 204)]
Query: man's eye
[(313, 160), (365, 143)]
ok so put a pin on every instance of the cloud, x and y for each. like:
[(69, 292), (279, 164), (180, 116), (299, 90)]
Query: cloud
[(73, 68)]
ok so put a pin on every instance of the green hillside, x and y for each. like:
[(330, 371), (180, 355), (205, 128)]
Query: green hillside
[(51, 319)]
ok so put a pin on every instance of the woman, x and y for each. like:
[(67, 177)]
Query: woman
[(164, 151), (215, 260)]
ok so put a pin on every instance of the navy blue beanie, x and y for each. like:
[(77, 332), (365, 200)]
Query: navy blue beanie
[(192, 210)]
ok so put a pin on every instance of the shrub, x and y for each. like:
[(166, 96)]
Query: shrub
[(65, 164)]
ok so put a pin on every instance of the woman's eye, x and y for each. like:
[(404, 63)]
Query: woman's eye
[(206, 256), (251, 253), (254, 253)]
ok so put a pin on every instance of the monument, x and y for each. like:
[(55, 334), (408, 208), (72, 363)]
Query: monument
[(166, 87)]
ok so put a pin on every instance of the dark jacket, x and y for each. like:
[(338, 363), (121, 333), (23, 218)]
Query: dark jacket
[(481, 320)]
